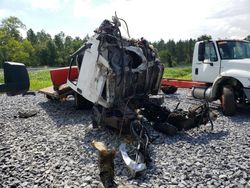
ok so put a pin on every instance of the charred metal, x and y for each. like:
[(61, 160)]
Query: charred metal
[(121, 77)]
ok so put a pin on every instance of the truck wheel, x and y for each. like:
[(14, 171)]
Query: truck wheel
[(81, 103), (228, 102), (169, 89)]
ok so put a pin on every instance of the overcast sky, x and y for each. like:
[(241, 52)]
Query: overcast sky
[(151, 19)]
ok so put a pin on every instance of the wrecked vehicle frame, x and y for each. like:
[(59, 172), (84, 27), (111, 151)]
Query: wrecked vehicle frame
[(113, 69), (118, 76)]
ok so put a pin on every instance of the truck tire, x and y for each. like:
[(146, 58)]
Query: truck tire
[(228, 102), (169, 89), (81, 103)]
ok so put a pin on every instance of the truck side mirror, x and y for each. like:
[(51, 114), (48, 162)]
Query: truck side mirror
[(16, 79), (201, 51)]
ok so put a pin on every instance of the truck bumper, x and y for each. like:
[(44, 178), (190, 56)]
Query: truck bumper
[(247, 92)]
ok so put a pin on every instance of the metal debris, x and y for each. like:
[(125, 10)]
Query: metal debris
[(135, 167)]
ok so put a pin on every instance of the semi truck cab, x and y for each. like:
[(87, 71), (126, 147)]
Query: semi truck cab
[(225, 66)]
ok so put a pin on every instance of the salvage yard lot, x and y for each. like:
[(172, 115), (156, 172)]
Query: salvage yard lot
[(53, 148)]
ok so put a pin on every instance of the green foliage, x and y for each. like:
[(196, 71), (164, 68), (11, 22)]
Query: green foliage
[(13, 50), (31, 36), (166, 58), (12, 46), (12, 26), (1, 77), (40, 49), (175, 53), (3, 45), (204, 37), (53, 51), (178, 73), (180, 52)]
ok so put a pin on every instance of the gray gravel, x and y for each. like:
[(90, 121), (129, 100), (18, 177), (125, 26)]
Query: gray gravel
[(52, 149)]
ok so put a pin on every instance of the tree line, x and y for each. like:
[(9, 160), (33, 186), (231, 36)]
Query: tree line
[(41, 49), (37, 49)]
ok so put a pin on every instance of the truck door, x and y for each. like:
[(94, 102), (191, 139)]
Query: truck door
[(205, 69)]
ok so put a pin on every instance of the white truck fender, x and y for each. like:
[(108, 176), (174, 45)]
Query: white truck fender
[(241, 75), (217, 84)]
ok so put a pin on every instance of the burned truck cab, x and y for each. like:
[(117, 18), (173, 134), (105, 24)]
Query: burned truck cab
[(113, 69)]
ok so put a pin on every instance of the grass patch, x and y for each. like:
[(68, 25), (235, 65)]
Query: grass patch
[(178, 73), (41, 79), (38, 79), (1, 77)]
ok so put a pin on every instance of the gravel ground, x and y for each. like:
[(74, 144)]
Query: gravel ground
[(52, 149)]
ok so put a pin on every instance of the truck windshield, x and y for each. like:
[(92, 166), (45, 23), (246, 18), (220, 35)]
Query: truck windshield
[(234, 49)]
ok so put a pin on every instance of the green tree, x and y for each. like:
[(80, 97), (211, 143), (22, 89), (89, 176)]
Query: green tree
[(166, 58), (41, 55), (12, 26), (68, 45), (204, 37), (60, 53), (31, 36), (171, 47), (180, 56), (160, 45), (43, 37), (52, 54), (163, 56), (12, 46), (59, 41), (4, 38), (29, 49), (19, 51), (172, 52), (190, 49), (77, 43)]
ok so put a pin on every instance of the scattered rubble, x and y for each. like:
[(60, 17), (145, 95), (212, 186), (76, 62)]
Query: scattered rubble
[(53, 148)]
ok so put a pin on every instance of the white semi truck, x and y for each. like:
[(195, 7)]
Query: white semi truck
[(224, 65)]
